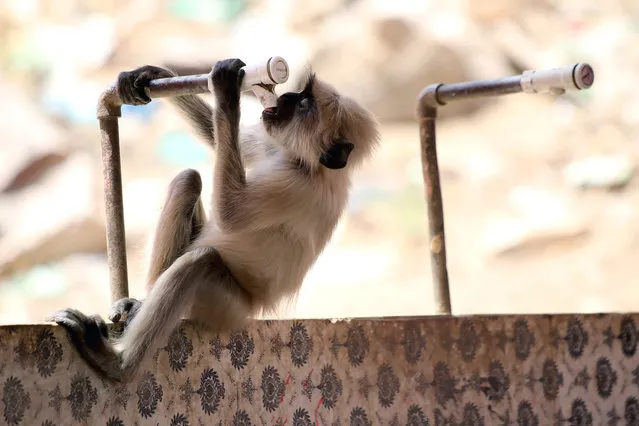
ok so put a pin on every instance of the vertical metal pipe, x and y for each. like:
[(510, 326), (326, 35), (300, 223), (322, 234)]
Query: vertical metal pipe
[(109, 112), (427, 115), (116, 237)]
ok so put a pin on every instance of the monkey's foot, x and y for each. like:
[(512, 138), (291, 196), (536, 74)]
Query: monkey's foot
[(89, 335), (127, 307), (132, 84)]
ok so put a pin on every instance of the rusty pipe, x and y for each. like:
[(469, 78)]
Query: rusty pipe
[(578, 76), (270, 72), (178, 86), (433, 195), (108, 112)]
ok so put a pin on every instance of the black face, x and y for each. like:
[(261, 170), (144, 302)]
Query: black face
[(289, 105), (336, 157)]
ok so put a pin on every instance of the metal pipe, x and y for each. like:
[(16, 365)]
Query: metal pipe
[(578, 76), (178, 86), (574, 77), (432, 188), (476, 89), (270, 72), (108, 112)]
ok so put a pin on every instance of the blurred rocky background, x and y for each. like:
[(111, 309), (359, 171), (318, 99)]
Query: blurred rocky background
[(540, 192)]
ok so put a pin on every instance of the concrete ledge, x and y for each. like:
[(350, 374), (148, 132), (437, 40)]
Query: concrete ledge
[(471, 371)]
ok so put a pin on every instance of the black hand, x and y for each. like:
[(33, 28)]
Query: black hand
[(227, 79), (131, 84), (127, 306)]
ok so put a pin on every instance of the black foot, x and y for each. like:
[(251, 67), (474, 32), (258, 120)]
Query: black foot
[(127, 307), (89, 335), (89, 330), (131, 84)]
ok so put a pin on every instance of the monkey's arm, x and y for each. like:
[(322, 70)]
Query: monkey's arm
[(198, 113), (240, 205), (131, 87)]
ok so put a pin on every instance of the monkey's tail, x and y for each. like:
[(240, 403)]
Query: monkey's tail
[(173, 293)]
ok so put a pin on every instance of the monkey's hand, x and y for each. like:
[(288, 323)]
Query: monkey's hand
[(131, 85), (90, 336), (127, 307), (226, 79)]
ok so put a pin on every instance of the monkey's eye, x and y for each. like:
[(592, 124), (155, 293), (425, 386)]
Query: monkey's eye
[(303, 104)]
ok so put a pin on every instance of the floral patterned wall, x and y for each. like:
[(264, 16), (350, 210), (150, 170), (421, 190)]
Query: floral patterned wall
[(525, 370)]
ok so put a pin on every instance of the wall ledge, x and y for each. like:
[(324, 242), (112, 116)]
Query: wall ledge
[(429, 370)]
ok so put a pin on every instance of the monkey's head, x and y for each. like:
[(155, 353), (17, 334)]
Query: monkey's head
[(322, 128)]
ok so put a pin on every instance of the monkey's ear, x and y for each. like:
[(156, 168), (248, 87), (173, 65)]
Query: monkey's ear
[(336, 157)]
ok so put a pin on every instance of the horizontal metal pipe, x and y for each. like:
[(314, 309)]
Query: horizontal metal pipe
[(480, 88), (273, 71), (178, 86), (578, 76)]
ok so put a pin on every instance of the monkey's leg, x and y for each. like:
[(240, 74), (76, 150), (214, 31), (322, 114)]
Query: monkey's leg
[(196, 274), (181, 221)]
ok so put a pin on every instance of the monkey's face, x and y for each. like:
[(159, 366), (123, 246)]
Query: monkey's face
[(298, 121), (308, 123), (292, 110)]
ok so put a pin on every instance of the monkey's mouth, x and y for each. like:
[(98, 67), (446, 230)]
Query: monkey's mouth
[(270, 112)]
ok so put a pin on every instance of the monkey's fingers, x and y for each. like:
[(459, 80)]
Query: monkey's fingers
[(122, 307), (84, 331), (102, 326), (228, 73), (132, 84), (129, 94), (71, 319), (143, 79), (88, 334)]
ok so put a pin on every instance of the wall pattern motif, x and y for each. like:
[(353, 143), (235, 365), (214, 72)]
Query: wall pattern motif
[(465, 371)]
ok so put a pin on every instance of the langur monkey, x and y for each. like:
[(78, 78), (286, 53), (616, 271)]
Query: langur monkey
[(266, 228)]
